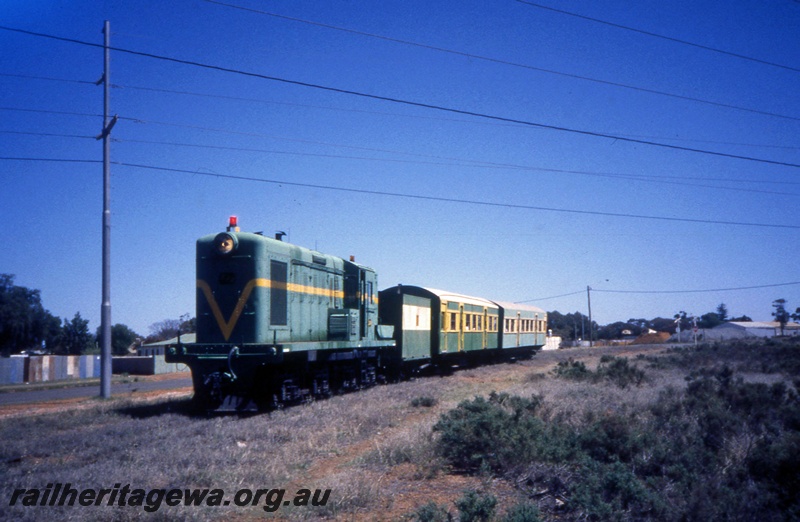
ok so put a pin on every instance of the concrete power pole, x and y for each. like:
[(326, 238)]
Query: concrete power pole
[(105, 309)]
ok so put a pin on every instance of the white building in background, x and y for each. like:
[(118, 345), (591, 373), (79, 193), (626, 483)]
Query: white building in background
[(742, 330)]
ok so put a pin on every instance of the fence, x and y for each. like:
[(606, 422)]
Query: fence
[(19, 369)]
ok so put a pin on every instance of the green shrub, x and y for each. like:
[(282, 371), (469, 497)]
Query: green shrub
[(571, 369), (497, 433), (612, 438), (613, 491), (616, 370), (523, 512), (720, 449), (619, 371), (776, 466), (773, 356), (476, 507), (425, 401), (431, 512)]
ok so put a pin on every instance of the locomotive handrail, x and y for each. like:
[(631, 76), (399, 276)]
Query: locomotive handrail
[(234, 351)]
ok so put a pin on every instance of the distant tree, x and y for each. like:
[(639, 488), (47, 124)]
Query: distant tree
[(122, 338), (780, 314), (75, 336), (169, 328), (615, 330), (163, 330), (710, 320), (53, 334), (722, 312), (556, 323), (796, 314), (188, 324), (24, 323), (662, 324), (570, 326), (641, 323), (742, 319)]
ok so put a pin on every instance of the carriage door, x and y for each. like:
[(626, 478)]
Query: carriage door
[(362, 302), (368, 306), (484, 327), (461, 328)]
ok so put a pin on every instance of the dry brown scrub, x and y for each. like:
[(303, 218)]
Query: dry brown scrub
[(373, 449)]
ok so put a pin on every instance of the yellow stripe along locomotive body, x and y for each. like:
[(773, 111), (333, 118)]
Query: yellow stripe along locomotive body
[(278, 323)]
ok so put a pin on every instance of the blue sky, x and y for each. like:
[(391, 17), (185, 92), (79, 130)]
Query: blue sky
[(543, 152)]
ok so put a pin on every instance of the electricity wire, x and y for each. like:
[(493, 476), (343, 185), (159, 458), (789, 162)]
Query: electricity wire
[(461, 162), (460, 201), (661, 36), (444, 160), (410, 103), (364, 111), (473, 56), (703, 291)]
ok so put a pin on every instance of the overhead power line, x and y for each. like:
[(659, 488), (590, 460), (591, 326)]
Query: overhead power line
[(49, 160), (416, 116), (684, 181), (43, 111), (461, 201), (379, 113), (709, 290), (373, 112), (49, 134), (509, 63), (419, 196), (704, 291), (462, 162), (582, 292), (411, 103), (426, 159), (62, 80), (661, 36)]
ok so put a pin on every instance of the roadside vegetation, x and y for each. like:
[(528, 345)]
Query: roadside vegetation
[(722, 447), (704, 433)]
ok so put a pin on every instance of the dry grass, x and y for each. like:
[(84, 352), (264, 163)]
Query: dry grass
[(373, 449)]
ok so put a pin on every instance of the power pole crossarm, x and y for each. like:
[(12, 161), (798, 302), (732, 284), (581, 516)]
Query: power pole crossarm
[(107, 128)]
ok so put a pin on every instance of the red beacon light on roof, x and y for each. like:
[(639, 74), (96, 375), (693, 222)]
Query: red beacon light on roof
[(233, 224)]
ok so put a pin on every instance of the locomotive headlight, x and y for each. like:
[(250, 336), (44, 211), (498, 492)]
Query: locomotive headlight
[(225, 243)]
